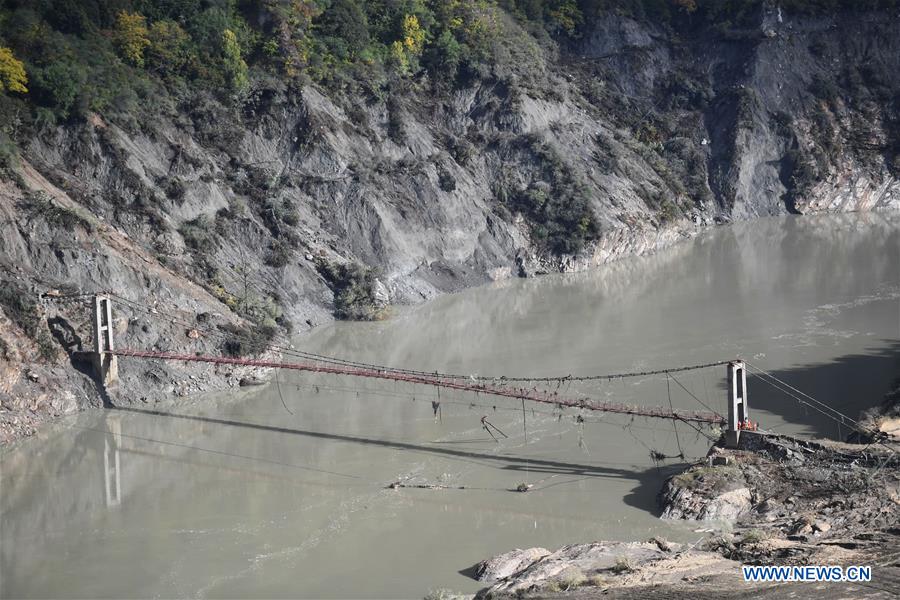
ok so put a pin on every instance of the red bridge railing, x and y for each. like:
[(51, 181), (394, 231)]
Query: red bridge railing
[(518, 393)]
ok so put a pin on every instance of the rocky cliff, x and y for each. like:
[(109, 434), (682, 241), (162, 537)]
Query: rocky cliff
[(300, 201)]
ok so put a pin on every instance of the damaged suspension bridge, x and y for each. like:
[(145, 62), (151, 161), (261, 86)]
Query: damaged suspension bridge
[(105, 361), (438, 381)]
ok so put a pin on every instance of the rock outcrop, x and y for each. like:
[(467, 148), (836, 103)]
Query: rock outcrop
[(800, 488), (508, 563), (776, 500), (570, 566)]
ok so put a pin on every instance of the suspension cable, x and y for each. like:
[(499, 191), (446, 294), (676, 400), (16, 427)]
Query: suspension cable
[(384, 368), (691, 394), (674, 425), (826, 410)]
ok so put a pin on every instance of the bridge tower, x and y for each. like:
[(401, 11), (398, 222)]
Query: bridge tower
[(106, 365), (738, 407)]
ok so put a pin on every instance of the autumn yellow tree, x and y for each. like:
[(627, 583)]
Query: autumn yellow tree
[(12, 73), (413, 34), (411, 43), (234, 63), (168, 50), (131, 36)]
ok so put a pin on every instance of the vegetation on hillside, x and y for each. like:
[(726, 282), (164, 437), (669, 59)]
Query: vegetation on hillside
[(22, 309), (354, 286), (64, 58), (555, 202)]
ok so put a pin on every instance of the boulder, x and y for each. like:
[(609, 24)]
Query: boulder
[(381, 294), (507, 564), (613, 557), (821, 526), (728, 506)]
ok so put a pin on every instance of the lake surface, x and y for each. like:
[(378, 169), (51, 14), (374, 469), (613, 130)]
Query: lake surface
[(235, 496)]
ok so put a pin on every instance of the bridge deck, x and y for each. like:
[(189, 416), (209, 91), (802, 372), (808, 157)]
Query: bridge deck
[(531, 395)]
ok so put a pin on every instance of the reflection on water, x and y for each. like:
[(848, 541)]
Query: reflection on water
[(111, 464), (232, 496)]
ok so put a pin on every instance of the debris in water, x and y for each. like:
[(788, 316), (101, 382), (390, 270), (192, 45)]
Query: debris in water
[(488, 426), (423, 486)]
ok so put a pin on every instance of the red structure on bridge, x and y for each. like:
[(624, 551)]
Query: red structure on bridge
[(519, 393)]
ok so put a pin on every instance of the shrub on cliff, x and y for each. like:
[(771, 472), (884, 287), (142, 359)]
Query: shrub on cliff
[(246, 341), (22, 309), (199, 234), (40, 205), (557, 206), (279, 254), (354, 287)]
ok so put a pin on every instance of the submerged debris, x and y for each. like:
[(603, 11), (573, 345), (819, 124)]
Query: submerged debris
[(423, 486)]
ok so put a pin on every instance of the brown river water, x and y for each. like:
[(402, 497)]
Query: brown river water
[(233, 496)]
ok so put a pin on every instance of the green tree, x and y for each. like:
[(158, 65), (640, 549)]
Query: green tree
[(473, 25), (169, 49), (58, 85), (131, 36), (565, 15), (235, 66), (444, 55), (12, 73), (295, 33), (345, 28)]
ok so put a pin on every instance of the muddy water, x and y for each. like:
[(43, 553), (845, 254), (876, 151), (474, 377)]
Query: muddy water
[(235, 496)]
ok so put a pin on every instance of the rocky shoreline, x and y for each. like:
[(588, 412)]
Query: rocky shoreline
[(775, 500)]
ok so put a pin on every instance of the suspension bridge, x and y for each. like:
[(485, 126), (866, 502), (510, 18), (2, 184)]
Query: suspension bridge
[(105, 359), (518, 393)]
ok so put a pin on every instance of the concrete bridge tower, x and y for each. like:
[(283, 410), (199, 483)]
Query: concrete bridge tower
[(106, 365), (738, 407)]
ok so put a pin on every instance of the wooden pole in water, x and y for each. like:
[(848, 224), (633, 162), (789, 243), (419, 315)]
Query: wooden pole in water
[(524, 426)]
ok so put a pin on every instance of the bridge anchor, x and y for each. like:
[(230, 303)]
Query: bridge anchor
[(738, 407), (106, 364)]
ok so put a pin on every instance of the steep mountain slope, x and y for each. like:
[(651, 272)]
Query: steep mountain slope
[(293, 200)]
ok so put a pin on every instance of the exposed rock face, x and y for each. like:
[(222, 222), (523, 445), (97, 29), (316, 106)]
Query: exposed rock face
[(715, 492), (570, 564), (883, 419), (683, 503), (791, 488), (508, 563), (176, 313), (213, 207)]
